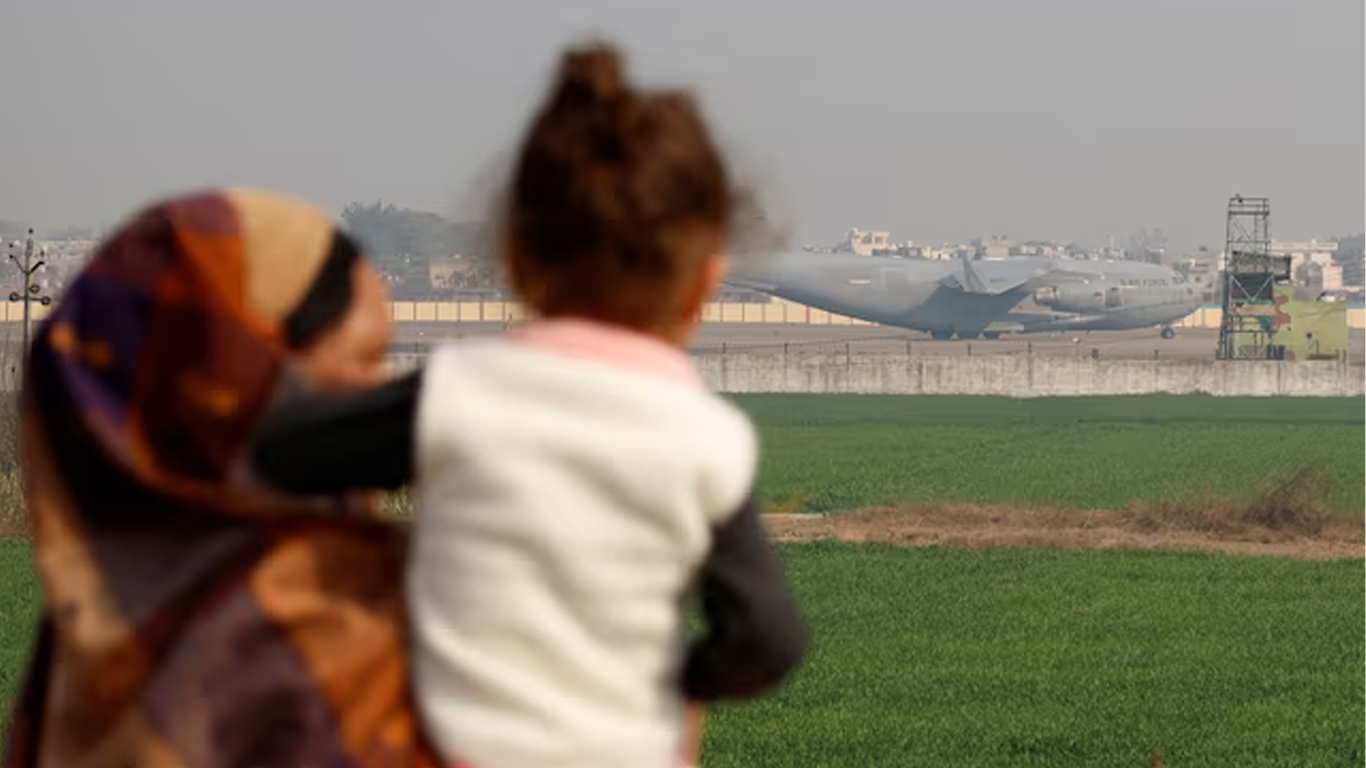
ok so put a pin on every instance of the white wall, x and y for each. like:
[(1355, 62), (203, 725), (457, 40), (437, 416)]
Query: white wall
[(1026, 376), (1017, 375)]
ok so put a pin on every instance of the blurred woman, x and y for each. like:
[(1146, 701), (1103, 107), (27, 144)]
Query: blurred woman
[(191, 617)]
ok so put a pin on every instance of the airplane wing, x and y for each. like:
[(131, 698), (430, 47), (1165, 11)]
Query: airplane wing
[(748, 283), (971, 279)]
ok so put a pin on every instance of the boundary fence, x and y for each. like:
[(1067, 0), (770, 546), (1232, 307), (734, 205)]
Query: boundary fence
[(773, 312)]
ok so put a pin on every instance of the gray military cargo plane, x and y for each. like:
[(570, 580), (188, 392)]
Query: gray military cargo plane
[(976, 298)]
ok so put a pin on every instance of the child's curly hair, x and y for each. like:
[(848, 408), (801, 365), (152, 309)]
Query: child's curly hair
[(617, 198)]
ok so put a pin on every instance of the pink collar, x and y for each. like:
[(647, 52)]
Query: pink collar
[(610, 344)]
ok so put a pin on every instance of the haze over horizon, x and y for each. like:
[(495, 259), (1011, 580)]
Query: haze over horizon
[(1065, 120)]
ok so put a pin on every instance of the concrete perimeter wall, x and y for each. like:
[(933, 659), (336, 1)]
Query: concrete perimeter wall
[(1025, 375), (1015, 375)]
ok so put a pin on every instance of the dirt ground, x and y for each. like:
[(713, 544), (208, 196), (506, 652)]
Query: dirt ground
[(968, 526)]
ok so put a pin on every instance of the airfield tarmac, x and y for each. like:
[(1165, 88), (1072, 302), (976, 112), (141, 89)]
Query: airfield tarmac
[(1145, 343)]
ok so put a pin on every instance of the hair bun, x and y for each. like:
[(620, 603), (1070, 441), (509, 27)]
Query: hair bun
[(592, 73)]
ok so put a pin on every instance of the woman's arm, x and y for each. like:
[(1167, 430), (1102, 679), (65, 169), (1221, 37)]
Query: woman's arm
[(332, 443), (755, 634)]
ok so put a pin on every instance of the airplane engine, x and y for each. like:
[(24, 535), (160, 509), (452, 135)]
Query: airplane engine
[(1073, 297)]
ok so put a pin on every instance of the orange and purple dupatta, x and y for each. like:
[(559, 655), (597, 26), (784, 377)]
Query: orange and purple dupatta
[(191, 619)]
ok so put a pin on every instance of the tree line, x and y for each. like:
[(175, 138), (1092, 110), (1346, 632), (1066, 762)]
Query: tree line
[(405, 243)]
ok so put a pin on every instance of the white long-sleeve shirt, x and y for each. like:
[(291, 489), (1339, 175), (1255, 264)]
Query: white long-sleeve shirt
[(570, 481)]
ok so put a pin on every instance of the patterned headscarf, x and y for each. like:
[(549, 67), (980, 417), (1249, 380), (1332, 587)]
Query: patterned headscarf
[(191, 618)]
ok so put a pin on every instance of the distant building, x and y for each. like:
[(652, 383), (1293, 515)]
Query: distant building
[(1317, 275), (1038, 248), (1307, 257), (1203, 269), (938, 252), (993, 247), (1332, 278), (1153, 255), (1353, 273), (69, 249), (440, 270), (1304, 248), (1312, 263), (865, 243), (458, 274)]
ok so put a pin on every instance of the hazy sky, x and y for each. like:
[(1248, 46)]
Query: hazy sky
[(936, 119)]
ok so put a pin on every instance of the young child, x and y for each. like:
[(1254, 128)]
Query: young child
[(575, 480)]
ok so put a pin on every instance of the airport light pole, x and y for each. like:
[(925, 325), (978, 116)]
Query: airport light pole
[(32, 291)]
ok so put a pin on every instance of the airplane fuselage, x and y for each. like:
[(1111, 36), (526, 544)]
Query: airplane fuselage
[(932, 296)]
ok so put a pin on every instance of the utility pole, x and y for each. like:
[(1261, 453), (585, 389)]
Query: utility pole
[(28, 267)]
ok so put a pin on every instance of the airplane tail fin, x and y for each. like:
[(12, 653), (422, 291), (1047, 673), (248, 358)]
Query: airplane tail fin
[(971, 280)]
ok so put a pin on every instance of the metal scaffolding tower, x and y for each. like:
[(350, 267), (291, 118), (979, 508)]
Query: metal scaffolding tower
[(1248, 289)]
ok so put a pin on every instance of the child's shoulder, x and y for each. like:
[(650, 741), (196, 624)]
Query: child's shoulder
[(667, 404), (736, 424), (731, 446)]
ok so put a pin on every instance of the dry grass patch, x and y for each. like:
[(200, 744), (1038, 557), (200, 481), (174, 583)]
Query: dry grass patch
[(1285, 509), (1286, 520)]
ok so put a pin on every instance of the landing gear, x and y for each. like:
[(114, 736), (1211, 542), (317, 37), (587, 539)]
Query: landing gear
[(941, 335), (1167, 332)]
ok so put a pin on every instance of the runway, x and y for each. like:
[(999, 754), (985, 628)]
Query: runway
[(713, 338)]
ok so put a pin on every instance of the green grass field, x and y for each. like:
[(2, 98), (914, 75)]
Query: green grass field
[(837, 452), (1019, 657), (1034, 657), (1022, 657), (19, 602)]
